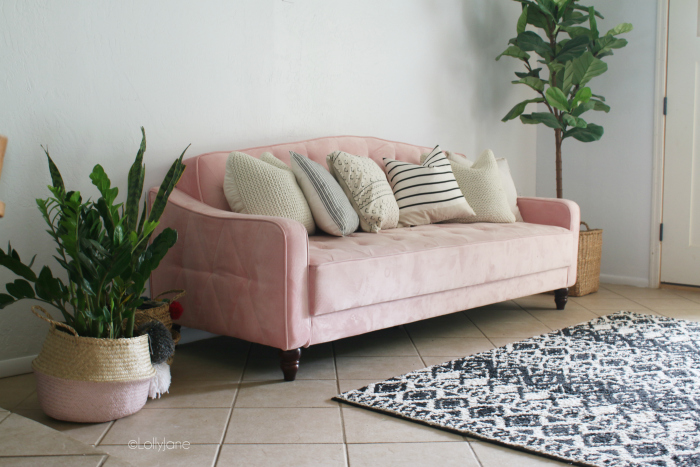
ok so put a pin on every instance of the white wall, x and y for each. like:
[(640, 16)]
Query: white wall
[(82, 76), (612, 179)]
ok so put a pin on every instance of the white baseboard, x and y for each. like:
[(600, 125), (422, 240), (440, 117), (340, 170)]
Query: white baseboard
[(191, 335), (624, 280), (16, 366)]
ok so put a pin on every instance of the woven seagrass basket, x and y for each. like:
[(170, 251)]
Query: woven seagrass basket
[(90, 380), (161, 313), (590, 249)]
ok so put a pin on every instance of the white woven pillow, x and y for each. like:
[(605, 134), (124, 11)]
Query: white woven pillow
[(506, 179), (265, 187), (332, 210), (426, 193), (482, 186), (366, 187)]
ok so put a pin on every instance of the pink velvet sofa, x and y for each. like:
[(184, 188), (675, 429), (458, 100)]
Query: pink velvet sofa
[(265, 280)]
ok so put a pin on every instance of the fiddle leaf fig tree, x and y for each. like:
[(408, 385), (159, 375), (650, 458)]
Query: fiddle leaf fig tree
[(560, 60)]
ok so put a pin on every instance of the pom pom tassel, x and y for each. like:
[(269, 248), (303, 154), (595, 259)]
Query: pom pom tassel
[(160, 383)]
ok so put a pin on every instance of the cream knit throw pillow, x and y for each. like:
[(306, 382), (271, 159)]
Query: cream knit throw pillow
[(482, 187), (265, 187), (366, 187), (506, 179)]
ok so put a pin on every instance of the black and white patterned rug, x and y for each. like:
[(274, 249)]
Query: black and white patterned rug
[(620, 390)]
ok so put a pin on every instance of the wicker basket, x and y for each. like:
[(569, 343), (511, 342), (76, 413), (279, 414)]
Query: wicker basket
[(161, 313), (590, 249), (84, 379)]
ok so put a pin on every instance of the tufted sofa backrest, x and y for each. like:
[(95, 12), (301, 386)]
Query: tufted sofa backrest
[(204, 177)]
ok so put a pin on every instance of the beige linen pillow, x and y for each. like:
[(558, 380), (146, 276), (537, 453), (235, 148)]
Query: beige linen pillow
[(426, 193), (265, 187), (366, 187), (506, 179), (482, 187)]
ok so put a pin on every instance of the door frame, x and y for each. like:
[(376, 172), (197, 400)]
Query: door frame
[(658, 143)]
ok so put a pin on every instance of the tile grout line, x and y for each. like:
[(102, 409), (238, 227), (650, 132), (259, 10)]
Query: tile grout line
[(340, 408), (220, 448), (104, 433), (410, 337)]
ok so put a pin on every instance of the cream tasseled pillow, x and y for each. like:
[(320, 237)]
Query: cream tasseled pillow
[(366, 187), (265, 187), (506, 179), (482, 187)]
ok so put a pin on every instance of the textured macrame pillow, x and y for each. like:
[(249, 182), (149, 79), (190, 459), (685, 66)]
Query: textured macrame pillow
[(506, 179), (426, 193), (482, 187), (366, 187), (332, 210), (265, 187)]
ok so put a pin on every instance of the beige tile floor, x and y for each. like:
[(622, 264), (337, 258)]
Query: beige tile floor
[(228, 401)]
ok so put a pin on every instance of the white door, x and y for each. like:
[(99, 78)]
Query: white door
[(680, 248)]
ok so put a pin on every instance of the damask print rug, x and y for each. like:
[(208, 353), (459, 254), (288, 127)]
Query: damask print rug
[(620, 390)]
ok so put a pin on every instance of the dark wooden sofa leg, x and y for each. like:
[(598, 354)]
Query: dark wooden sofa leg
[(561, 296), (289, 362)]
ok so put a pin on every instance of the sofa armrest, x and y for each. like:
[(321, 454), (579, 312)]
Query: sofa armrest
[(557, 212), (550, 211), (245, 275)]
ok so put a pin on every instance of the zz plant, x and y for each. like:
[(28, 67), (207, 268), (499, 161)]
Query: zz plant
[(104, 247), (571, 48)]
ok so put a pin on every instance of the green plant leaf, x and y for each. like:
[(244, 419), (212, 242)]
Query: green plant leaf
[(621, 28), (531, 41), (519, 109), (583, 95), (534, 72), (585, 68), (600, 106), (20, 289), (135, 186), (56, 179), (586, 9), (522, 20), (541, 117), (168, 185), (574, 121), (578, 31), (584, 107), (557, 99), (514, 51), (547, 7), (535, 83), (572, 49), (6, 300), (14, 264), (592, 22), (591, 133)]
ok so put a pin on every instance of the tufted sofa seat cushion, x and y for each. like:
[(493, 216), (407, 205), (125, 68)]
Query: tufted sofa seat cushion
[(368, 268)]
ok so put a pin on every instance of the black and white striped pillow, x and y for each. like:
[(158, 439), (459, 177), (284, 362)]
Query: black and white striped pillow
[(426, 193), (330, 207)]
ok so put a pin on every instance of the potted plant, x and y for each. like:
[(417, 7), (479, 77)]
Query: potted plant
[(571, 49), (92, 367)]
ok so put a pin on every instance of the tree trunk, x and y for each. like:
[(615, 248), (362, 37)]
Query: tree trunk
[(558, 140)]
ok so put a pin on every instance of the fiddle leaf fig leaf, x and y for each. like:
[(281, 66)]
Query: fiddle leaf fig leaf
[(600, 106), (531, 41), (516, 111), (592, 132), (541, 117), (514, 51), (522, 21), (585, 68), (557, 99), (535, 83), (621, 28), (583, 95), (574, 121)]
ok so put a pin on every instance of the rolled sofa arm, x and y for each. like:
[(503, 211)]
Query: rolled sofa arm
[(245, 276), (558, 212)]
